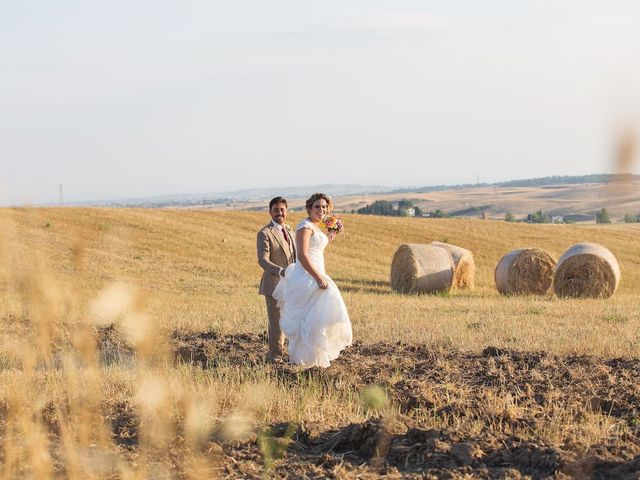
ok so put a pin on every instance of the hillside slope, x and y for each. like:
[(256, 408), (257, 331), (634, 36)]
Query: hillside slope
[(495, 202), (471, 384), (198, 269)]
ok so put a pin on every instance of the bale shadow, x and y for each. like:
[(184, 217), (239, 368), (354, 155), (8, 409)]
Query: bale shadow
[(367, 286), (376, 291), (363, 282)]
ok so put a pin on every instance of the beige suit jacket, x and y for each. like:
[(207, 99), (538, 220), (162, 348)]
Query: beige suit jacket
[(274, 253)]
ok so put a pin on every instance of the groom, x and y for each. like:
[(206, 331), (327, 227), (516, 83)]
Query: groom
[(276, 250)]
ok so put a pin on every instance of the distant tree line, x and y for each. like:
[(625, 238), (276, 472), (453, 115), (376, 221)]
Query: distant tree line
[(602, 217), (538, 217), (570, 180), (403, 208), (531, 182), (438, 214)]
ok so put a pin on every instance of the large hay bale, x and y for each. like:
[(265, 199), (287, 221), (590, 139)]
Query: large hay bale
[(587, 270), (525, 271), (418, 268), (464, 265)]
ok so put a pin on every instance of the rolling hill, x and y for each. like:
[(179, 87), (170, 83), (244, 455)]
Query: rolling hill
[(581, 199), (132, 345)]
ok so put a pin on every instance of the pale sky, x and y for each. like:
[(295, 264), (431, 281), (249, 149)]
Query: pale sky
[(136, 98)]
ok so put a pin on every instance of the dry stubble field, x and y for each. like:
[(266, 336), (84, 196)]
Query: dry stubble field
[(133, 342)]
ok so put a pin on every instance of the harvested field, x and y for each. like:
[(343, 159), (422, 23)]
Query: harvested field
[(132, 347)]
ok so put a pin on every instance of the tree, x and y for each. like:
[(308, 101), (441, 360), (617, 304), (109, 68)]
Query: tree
[(629, 218), (379, 207), (439, 214), (538, 217), (509, 217), (404, 204), (603, 216)]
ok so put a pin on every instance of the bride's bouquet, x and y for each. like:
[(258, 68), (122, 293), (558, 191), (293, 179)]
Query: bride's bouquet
[(333, 224)]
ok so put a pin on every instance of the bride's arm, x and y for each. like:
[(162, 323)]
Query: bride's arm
[(302, 245)]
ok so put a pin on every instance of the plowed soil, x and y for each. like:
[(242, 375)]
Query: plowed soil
[(491, 408)]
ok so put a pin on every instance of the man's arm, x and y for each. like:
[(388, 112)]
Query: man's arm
[(264, 250)]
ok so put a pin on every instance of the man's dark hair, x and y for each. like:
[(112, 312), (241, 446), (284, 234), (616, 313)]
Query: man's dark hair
[(277, 200)]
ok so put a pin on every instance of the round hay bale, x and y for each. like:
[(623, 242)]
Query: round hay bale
[(418, 268), (587, 270), (465, 266), (525, 271)]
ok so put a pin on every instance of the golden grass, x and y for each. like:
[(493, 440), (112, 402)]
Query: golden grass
[(198, 271), (152, 272)]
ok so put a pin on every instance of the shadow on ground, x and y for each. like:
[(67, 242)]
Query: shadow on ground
[(363, 286)]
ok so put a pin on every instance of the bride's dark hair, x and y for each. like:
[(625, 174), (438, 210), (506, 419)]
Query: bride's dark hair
[(317, 196)]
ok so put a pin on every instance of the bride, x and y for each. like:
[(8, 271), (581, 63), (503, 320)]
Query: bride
[(313, 315)]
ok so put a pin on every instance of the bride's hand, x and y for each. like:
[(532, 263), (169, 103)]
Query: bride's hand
[(322, 284)]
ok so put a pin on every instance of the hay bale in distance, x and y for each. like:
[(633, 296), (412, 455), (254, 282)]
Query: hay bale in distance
[(525, 271), (464, 265), (587, 270), (418, 268)]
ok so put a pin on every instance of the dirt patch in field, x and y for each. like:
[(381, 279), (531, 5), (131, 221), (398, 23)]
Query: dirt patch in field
[(451, 414), (210, 350), (111, 346), (495, 412)]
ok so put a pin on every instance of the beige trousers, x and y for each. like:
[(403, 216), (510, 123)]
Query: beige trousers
[(276, 337)]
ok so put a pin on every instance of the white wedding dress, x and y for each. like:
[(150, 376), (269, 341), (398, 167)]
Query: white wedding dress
[(315, 321)]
